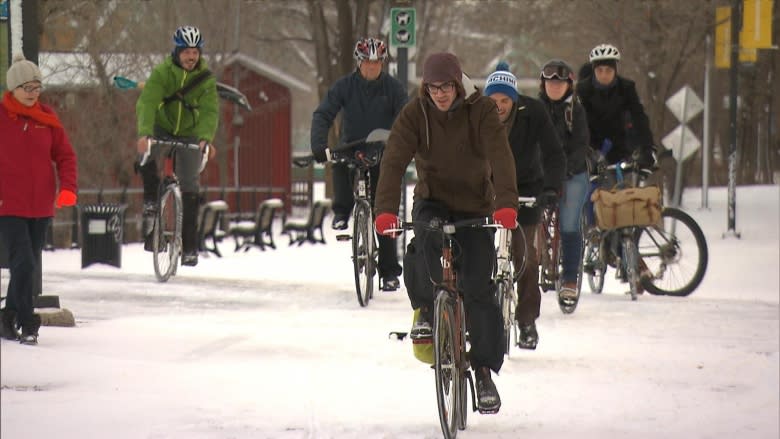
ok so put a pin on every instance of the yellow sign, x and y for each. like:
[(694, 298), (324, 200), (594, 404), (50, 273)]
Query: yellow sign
[(723, 40), (756, 24)]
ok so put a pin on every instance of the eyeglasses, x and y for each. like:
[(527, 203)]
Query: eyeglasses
[(447, 87), (31, 88), (556, 72)]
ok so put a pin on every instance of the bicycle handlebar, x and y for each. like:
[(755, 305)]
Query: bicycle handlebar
[(447, 227), (526, 201), (379, 135), (174, 145)]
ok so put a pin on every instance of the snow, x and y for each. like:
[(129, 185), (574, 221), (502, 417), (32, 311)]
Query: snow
[(274, 345)]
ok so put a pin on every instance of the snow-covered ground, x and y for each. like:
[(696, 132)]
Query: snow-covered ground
[(274, 345)]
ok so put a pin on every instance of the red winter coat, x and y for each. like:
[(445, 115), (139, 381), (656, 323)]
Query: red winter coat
[(28, 186)]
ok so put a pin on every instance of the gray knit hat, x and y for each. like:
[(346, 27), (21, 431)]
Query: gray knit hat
[(22, 71)]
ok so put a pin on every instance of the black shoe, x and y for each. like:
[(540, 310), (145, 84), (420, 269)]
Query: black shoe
[(528, 337), (30, 330), (488, 400), (340, 222), (390, 283), (8, 324), (189, 259)]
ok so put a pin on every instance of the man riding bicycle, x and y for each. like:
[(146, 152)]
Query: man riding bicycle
[(367, 99), (465, 170), (178, 102)]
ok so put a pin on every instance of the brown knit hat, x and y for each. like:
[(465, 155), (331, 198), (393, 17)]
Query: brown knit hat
[(21, 72), (442, 67)]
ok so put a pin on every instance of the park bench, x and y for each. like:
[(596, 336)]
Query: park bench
[(259, 231), (209, 226), (301, 230)]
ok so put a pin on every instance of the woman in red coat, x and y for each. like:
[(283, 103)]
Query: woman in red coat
[(32, 139)]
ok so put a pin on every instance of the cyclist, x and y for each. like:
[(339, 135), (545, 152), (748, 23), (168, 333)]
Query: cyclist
[(540, 164), (163, 111), (368, 99), (571, 125), (616, 118), (33, 138), (465, 170)]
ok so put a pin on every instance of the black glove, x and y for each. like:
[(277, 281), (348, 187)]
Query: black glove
[(548, 198), (319, 153), (646, 159)]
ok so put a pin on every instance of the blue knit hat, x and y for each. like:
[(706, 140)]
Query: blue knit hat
[(502, 81)]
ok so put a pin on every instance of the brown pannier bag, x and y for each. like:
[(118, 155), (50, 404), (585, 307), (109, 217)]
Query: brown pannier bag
[(638, 206)]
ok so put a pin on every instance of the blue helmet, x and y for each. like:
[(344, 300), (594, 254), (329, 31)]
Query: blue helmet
[(187, 36)]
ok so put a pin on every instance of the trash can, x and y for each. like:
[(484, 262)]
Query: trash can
[(101, 234)]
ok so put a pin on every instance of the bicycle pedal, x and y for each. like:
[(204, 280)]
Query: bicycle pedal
[(343, 237)]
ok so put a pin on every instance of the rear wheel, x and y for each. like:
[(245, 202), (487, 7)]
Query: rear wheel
[(673, 255), (167, 233), (363, 253), (445, 363)]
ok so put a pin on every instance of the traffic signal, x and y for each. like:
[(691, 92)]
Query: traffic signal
[(402, 30)]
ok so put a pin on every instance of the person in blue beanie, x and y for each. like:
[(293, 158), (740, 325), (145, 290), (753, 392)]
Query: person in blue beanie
[(540, 166)]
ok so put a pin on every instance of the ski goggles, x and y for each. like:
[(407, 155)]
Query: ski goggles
[(562, 73)]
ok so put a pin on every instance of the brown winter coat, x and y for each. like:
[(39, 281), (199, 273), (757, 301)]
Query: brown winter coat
[(462, 157)]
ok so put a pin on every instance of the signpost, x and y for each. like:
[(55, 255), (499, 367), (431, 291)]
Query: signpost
[(685, 105)]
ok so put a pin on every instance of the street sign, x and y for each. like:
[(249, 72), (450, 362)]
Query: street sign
[(690, 143), (685, 99), (403, 22)]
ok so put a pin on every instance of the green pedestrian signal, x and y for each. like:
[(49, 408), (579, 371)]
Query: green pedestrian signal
[(402, 29)]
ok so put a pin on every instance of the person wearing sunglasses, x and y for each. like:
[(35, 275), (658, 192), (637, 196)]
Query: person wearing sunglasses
[(571, 125), (465, 170), (540, 166), (616, 118), (367, 99), (33, 139)]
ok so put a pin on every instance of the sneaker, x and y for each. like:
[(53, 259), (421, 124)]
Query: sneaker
[(8, 325), (488, 400), (30, 330), (340, 222), (528, 337), (189, 259), (569, 291), (390, 283), (421, 327)]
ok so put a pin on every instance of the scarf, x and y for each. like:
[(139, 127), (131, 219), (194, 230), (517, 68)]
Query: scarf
[(35, 112)]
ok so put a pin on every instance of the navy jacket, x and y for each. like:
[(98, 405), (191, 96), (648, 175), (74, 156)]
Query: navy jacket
[(572, 133), (365, 106)]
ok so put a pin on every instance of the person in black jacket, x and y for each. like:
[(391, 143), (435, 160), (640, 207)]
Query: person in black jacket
[(571, 125), (368, 99), (540, 165), (616, 118)]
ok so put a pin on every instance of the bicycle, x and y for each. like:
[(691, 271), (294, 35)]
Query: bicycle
[(505, 278), (167, 222), (451, 365), (364, 241), (649, 258)]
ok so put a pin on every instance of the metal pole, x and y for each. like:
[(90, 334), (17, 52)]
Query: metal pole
[(706, 148), (732, 190), (680, 158)]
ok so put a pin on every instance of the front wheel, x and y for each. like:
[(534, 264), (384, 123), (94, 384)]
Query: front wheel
[(506, 301), (445, 364), (363, 252), (167, 233), (673, 254), (593, 264)]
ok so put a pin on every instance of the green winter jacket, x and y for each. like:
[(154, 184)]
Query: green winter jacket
[(198, 121)]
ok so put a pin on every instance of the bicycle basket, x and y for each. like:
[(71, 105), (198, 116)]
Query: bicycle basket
[(631, 207)]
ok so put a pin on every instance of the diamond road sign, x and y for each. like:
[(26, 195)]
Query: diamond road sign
[(685, 99), (690, 143), (403, 22)]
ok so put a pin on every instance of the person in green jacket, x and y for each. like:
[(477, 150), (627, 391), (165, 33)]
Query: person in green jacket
[(191, 117)]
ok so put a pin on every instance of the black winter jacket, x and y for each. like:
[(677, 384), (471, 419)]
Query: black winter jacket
[(573, 133), (366, 105), (615, 113), (539, 159)]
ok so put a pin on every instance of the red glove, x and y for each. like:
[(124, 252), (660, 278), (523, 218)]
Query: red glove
[(507, 217), (65, 198), (386, 221)]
